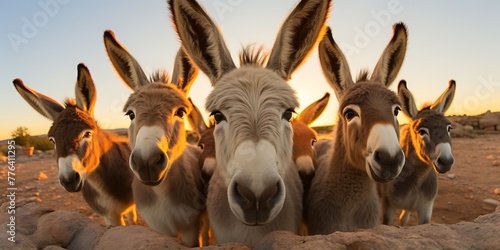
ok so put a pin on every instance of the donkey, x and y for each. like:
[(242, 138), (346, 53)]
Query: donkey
[(343, 195), (167, 186), (255, 188), (426, 142), (90, 160)]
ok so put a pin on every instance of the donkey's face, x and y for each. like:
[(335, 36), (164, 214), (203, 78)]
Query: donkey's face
[(251, 105), (73, 129), (432, 140), (252, 108), (304, 138), (429, 128), (72, 134), (156, 110), (371, 130), (157, 114), (367, 110)]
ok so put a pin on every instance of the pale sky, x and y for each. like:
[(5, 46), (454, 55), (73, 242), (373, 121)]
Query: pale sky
[(43, 41)]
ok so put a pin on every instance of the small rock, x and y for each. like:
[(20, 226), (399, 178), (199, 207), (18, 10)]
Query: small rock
[(496, 191), (451, 176), (495, 163), (41, 176), (490, 157), (490, 204)]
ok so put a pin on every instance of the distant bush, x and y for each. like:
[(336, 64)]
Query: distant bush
[(41, 143), (3, 150)]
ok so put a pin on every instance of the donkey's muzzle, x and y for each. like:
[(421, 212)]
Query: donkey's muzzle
[(443, 164), (73, 183), (149, 167), (387, 166), (257, 208)]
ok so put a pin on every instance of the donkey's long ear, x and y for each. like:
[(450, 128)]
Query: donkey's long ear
[(184, 72), (125, 64), (444, 101), (390, 62), (407, 100), (195, 119), (334, 64), (314, 110), (85, 91), (201, 38), (43, 104), (299, 34)]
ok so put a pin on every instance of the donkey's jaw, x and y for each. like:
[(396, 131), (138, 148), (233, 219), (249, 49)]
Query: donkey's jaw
[(71, 172), (444, 160), (148, 159), (385, 158), (256, 191)]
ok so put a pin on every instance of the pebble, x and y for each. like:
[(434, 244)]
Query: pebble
[(490, 157), (42, 176), (496, 191), (495, 163), (451, 176)]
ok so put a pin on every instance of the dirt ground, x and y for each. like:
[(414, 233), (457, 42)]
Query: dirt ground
[(474, 178)]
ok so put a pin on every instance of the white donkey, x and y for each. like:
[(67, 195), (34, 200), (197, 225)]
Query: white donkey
[(255, 188)]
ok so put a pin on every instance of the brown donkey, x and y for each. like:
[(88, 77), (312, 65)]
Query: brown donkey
[(167, 186), (255, 188), (343, 194), (426, 142), (89, 159)]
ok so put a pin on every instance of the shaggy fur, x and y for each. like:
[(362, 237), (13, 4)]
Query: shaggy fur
[(415, 189)]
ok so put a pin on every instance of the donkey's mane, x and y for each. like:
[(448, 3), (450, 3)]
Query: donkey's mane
[(250, 55), (69, 102), (363, 76), (426, 106), (160, 76)]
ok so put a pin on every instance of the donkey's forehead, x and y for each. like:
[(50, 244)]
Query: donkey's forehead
[(249, 87), (302, 131), (369, 94), (71, 122), (156, 96), (431, 119)]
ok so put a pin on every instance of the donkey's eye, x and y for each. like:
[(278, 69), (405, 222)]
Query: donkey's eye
[(130, 114), (396, 110), (423, 132), (287, 115), (181, 112), (51, 139), (349, 114), (87, 134), (313, 141), (218, 117)]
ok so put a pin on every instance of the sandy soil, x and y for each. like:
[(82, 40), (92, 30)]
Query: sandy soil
[(461, 191)]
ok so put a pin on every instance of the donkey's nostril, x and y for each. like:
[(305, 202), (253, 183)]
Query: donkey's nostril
[(159, 160), (244, 196), (445, 164), (382, 157), (269, 196)]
